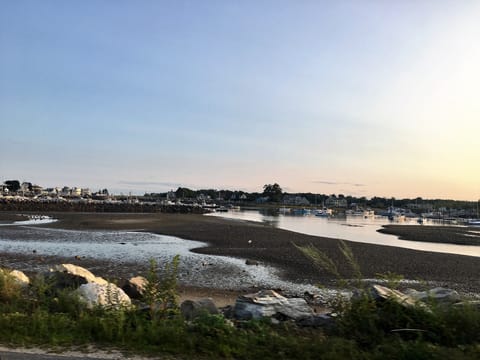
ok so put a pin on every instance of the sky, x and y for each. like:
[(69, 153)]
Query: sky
[(363, 98)]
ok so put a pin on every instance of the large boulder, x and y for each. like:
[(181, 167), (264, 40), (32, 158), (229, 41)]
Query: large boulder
[(72, 276), (18, 277), (439, 294), (191, 309), (381, 293), (104, 295), (318, 321), (135, 287), (268, 303)]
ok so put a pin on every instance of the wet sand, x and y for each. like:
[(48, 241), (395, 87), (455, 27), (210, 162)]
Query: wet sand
[(441, 234), (270, 246)]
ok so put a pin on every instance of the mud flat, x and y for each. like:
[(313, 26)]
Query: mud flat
[(459, 235), (268, 246)]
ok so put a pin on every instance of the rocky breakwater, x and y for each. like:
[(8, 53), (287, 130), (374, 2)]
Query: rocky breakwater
[(32, 205)]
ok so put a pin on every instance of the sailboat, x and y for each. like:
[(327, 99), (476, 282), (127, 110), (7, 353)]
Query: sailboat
[(475, 222)]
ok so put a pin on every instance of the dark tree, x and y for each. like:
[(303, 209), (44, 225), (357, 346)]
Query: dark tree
[(185, 193), (12, 185), (274, 192)]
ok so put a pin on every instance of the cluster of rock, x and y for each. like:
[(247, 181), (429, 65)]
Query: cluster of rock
[(92, 290), (76, 205), (270, 304), (410, 297), (95, 291)]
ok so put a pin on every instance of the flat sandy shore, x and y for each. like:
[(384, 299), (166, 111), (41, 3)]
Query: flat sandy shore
[(270, 246)]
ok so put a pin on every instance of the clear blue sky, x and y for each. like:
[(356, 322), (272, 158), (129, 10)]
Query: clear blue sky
[(355, 97)]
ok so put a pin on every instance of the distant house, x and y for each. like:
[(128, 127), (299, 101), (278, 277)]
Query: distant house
[(37, 189), (171, 196), (295, 200), (52, 191), (26, 187), (86, 192), (262, 200), (202, 197), (337, 202)]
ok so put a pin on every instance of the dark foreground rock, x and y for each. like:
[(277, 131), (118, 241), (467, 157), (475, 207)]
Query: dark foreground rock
[(191, 309), (268, 303)]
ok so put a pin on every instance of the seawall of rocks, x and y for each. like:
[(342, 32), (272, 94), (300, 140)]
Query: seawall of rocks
[(72, 206)]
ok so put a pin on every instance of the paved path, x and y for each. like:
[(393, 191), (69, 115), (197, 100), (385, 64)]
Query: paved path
[(6, 355)]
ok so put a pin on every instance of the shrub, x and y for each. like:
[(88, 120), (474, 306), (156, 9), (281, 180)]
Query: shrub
[(160, 292)]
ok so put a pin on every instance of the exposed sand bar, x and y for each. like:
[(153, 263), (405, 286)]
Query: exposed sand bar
[(274, 247)]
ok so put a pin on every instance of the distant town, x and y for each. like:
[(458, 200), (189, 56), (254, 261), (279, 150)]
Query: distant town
[(27, 196)]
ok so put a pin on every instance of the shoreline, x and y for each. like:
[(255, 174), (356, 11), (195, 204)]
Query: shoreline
[(272, 247), (464, 235)]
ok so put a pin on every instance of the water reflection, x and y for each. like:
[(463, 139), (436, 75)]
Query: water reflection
[(353, 228)]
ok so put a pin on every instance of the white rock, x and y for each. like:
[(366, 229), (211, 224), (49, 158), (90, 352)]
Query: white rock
[(439, 294), (17, 276), (135, 287), (269, 303), (20, 277), (81, 272), (382, 292), (104, 295)]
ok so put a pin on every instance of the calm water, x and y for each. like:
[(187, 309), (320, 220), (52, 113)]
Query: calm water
[(353, 228)]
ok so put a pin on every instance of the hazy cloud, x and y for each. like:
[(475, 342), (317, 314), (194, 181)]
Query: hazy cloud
[(150, 183), (324, 182)]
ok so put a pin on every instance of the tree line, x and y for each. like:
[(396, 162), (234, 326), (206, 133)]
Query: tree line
[(275, 194)]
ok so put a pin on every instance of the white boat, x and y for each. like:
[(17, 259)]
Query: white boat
[(396, 217), (284, 210), (301, 211), (473, 222), (325, 212), (368, 213), (360, 212)]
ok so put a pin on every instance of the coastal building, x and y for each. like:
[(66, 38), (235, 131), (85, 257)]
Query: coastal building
[(295, 200), (37, 189), (334, 201), (85, 192), (262, 199), (171, 196), (202, 198), (25, 187)]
